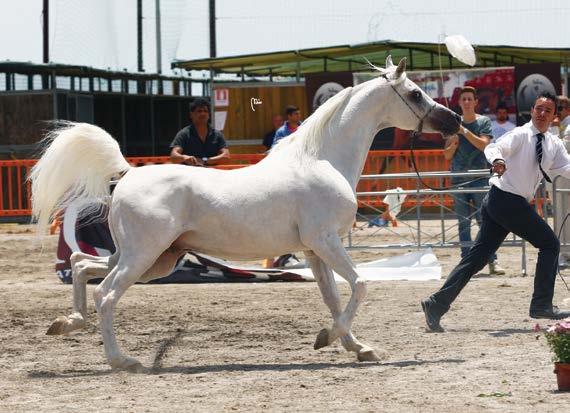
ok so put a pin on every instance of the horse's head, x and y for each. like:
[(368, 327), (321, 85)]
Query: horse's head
[(412, 108)]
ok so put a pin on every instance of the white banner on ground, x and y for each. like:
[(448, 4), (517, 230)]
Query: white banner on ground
[(414, 266)]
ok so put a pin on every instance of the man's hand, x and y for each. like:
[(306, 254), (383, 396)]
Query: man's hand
[(454, 140), (192, 161), (499, 167), (450, 147)]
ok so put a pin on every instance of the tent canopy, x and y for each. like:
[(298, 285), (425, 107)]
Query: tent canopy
[(421, 56)]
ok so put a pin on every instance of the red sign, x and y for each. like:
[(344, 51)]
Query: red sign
[(221, 97)]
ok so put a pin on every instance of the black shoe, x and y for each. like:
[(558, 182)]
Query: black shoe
[(432, 320), (552, 313)]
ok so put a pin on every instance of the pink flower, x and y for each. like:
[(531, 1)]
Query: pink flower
[(562, 327)]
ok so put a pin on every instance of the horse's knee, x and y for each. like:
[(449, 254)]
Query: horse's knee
[(79, 267), (75, 257)]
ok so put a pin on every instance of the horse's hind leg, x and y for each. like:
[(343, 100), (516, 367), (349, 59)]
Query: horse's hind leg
[(130, 269), (331, 297), (84, 268)]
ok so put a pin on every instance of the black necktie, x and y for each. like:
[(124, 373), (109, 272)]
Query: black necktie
[(539, 138)]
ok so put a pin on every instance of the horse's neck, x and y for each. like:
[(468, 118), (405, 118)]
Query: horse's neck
[(348, 139)]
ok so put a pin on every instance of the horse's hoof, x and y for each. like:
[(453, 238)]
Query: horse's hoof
[(64, 325), (58, 326), (322, 339), (372, 355), (135, 367), (129, 364)]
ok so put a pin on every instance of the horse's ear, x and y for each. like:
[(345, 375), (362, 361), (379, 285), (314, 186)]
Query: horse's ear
[(400, 69), (389, 63)]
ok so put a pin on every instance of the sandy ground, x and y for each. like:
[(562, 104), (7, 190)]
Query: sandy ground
[(249, 347)]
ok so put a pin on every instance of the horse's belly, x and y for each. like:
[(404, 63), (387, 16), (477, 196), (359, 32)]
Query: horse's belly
[(240, 244)]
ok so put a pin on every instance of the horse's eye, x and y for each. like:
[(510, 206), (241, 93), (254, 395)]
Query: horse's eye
[(416, 95)]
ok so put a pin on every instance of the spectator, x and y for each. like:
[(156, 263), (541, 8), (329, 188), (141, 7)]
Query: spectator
[(562, 204), (291, 124), (501, 124), (268, 138), (199, 144), (465, 151), (564, 118)]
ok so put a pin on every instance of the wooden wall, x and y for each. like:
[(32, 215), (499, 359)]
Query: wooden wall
[(21, 117), (244, 123)]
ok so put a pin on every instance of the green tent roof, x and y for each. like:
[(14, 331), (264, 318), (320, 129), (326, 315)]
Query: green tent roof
[(421, 56)]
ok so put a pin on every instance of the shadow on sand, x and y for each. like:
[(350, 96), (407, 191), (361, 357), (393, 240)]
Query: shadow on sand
[(507, 332), (233, 367), (168, 343)]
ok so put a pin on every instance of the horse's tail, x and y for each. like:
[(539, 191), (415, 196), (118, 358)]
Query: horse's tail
[(77, 164)]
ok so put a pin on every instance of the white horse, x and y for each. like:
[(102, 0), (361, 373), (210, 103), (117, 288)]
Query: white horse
[(301, 197)]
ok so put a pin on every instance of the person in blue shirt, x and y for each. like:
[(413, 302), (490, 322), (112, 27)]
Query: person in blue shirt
[(465, 150), (293, 121)]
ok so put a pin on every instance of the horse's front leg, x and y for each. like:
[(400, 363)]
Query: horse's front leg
[(329, 248), (331, 297), (84, 267)]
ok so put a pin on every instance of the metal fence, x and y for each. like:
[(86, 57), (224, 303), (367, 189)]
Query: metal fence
[(415, 217), (421, 208)]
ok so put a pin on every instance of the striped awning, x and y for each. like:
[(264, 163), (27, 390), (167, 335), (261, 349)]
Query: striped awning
[(420, 56)]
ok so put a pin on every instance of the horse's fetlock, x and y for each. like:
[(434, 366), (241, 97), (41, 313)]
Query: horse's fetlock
[(360, 289)]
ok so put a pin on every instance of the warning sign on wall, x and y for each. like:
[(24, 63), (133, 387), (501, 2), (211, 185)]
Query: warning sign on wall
[(221, 97)]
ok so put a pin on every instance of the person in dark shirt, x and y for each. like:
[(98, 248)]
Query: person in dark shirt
[(198, 144), (268, 138)]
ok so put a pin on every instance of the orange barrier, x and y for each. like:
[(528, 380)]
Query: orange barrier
[(15, 189), (400, 161)]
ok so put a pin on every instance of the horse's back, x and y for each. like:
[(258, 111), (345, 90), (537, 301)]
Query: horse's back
[(238, 213)]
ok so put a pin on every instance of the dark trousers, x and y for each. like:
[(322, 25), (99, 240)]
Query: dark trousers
[(501, 213)]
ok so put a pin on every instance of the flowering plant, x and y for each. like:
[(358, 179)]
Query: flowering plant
[(558, 338)]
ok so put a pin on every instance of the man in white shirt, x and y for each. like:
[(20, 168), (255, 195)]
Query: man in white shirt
[(520, 159), (501, 124)]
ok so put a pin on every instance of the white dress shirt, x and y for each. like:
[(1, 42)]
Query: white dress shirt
[(499, 129), (565, 131), (518, 149)]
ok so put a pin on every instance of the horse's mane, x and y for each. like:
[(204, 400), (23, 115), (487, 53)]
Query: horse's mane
[(309, 137), (309, 134)]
